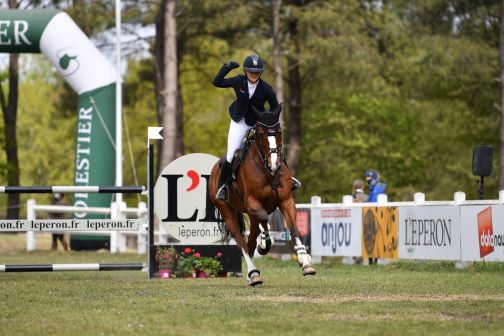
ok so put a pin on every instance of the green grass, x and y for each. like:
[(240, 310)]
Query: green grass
[(400, 298)]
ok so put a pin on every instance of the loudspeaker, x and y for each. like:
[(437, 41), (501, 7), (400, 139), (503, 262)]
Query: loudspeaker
[(482, 160)]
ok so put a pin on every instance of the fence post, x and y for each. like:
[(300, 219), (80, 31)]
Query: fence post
[(142, 232), (419, 198), (31, 241)]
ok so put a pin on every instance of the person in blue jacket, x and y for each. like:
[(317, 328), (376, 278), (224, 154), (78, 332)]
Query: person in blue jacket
[(251, 90), (375, 187)]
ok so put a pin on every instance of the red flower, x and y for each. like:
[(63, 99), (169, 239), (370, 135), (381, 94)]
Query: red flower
[(187, 250), (219, 254), (197, 254)]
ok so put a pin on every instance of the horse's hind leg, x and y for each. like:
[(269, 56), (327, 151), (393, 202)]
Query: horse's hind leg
[(288, 209)]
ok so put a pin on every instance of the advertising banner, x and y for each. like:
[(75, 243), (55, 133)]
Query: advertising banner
[(336, 231), (482, 236), (380, 232), (429, 232), (181, 203), (56, 225), (21, 30)]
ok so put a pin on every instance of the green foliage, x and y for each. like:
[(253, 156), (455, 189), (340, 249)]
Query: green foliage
[(403, 87), (190, 261)]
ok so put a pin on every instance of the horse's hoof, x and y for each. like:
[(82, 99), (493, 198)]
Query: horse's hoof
[(309, 270), (255, 278), (254, 281)]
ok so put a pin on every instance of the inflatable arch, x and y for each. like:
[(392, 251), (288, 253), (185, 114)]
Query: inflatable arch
[(54, 34)]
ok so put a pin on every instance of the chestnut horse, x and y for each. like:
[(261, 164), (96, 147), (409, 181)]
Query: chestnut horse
[(261, 184)]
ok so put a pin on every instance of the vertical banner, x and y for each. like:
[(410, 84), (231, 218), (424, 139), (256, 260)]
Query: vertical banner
[(336, 231), (303, 225), (429, 232), (380, 232), (95, 152), (482, 236)]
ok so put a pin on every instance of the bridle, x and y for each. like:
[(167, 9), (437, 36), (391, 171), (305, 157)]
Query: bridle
[(268, 167)]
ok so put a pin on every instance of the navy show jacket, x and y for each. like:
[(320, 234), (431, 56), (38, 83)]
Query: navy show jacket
[(242, 106)]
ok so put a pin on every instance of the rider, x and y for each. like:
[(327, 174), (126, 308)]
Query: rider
[(250, 89)]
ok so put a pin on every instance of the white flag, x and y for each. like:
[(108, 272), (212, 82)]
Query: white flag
[(153, 133)]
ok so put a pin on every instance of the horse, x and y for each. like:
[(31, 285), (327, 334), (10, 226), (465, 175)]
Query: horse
[(260, 183)]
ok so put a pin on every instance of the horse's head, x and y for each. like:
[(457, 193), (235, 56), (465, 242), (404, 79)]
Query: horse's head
[(268, 137)]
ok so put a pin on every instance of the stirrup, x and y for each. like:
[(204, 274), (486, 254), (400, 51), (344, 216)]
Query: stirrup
[(295, 184), (222, 193)]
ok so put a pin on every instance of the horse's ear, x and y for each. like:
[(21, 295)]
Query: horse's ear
[(257, 114)]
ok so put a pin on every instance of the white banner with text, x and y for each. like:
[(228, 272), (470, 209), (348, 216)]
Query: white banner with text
[(336, 231), (482, 232), (429, 232)]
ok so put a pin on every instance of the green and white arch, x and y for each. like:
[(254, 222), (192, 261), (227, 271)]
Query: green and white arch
[(54, 34)]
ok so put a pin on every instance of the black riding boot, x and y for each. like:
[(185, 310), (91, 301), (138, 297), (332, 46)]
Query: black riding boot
[(295, 184), (222, 192)]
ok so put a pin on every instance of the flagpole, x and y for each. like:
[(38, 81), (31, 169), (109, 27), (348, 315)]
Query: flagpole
[(119, 172)]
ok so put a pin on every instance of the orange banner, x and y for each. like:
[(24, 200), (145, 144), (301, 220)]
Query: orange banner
[(380, 232)]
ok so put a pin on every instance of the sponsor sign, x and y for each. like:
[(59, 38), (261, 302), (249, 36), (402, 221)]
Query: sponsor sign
[(429, 232), (336, 231), (482, 237), (20, 30), (71, 225), (94, 148), (181, 203), (380, 232)]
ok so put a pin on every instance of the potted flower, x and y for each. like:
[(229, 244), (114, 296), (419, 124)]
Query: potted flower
[(210, 267), (167, 259), (192, 264), (186, 266)]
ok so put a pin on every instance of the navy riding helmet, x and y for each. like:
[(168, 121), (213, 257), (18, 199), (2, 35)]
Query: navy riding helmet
[(371, 175), (253, 63)]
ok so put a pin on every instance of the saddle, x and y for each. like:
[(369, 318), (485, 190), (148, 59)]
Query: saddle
[(240, 154)]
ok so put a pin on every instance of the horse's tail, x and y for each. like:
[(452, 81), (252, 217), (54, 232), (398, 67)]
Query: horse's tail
[(225, 234), (241, 222)]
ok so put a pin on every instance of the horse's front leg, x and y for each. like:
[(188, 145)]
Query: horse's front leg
[(288, 209)]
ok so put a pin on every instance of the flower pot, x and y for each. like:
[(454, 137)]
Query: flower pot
[(165, 274), (201, 274)]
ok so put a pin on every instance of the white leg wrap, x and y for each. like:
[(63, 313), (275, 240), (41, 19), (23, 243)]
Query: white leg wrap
[(304, 258), (263, 235), (250, 265)]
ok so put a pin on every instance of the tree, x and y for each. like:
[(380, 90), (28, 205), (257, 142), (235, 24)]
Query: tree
[(501, 59), (277, 54), (9, 109), (167, 83)]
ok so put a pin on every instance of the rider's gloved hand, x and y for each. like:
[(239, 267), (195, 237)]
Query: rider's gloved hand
[(233, 65)]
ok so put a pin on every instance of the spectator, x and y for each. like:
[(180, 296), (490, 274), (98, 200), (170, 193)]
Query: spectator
[(58, 200), (375, 189), (358, 192)]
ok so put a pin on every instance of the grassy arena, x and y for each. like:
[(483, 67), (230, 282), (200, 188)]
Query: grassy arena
[(400, 298)]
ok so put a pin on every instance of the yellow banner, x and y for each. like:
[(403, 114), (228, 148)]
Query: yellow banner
[(380, 232)]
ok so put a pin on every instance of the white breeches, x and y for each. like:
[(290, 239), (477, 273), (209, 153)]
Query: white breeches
[(237, 131)]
